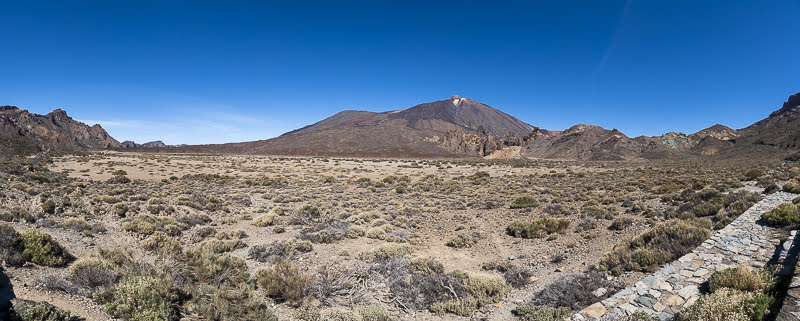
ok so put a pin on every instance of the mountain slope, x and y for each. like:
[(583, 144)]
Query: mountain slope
[(452, 127), (25, 132)]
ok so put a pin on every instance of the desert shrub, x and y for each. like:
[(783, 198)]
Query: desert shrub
[(479, 290), (782, 215), (148, 224), (325, 231), (464, 240), (358, 312), (707, 209), (796, 200), (792, 186), (266, 220), (279, 250), (40, 248), (517, 276), (753, 174), (161, 243), (524, 202), (120, 209), (771, 188), (10, 246), (306, 215), (742, 279), (214, 269), (729, 305), (92, 273), (49, 206), (537, 228), (77, 224), (229, 303), (142, 298), (531, 312), (223, 246), (573, 291), (43, 311), (621, 223), (284, 282), (355, 231), (386, 251), (659, 245)]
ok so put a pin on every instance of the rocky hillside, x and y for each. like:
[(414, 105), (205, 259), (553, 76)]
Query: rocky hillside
[(25, 132), (132, 144), (453, 127)]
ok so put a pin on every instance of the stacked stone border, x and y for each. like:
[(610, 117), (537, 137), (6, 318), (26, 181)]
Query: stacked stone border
[(744, 242)]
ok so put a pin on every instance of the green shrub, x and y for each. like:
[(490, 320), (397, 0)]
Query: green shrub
[(753, 174), (43, 311), (148, 224), (742, 279), (120, 209), (729, 305), (530, 312), (49, 207), (657, 246), (40, 248), (10, 246), (479, 290), (161, 243), (524, 202), (284, 282), (266, 220), (792, 186), (539, 228), (142, 298), (214, 269), (386, 251), (621, 223), (92, 272), (464, 240), (229, 303), (782, 215)]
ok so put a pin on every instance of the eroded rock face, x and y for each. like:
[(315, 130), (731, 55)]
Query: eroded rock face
[(56, 131)]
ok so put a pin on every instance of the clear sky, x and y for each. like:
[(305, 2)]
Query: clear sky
[(223, 71)]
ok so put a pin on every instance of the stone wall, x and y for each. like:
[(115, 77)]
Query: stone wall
[(744, 242)]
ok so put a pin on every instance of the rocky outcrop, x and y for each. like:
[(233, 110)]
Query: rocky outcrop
[(55, 131), (132, 144)]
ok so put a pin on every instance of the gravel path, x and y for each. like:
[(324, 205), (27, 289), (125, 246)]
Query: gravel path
[(664, 293)]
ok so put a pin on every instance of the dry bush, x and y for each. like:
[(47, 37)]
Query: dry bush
[(657, 246), (538, 228), (279, 250), (531, 312), (465, 240), (284, 282), (573, 291), (742, 279), (728, 305)]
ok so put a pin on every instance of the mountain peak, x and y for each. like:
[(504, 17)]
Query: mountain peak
[(456, 99)]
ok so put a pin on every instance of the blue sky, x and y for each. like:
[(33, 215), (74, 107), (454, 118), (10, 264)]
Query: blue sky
[(223, 71)]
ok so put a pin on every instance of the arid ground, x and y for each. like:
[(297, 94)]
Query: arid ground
[(242, 237)]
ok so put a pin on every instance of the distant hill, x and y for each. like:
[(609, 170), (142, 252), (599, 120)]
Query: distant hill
[(132, 144), (454, 127), (25, 132)]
